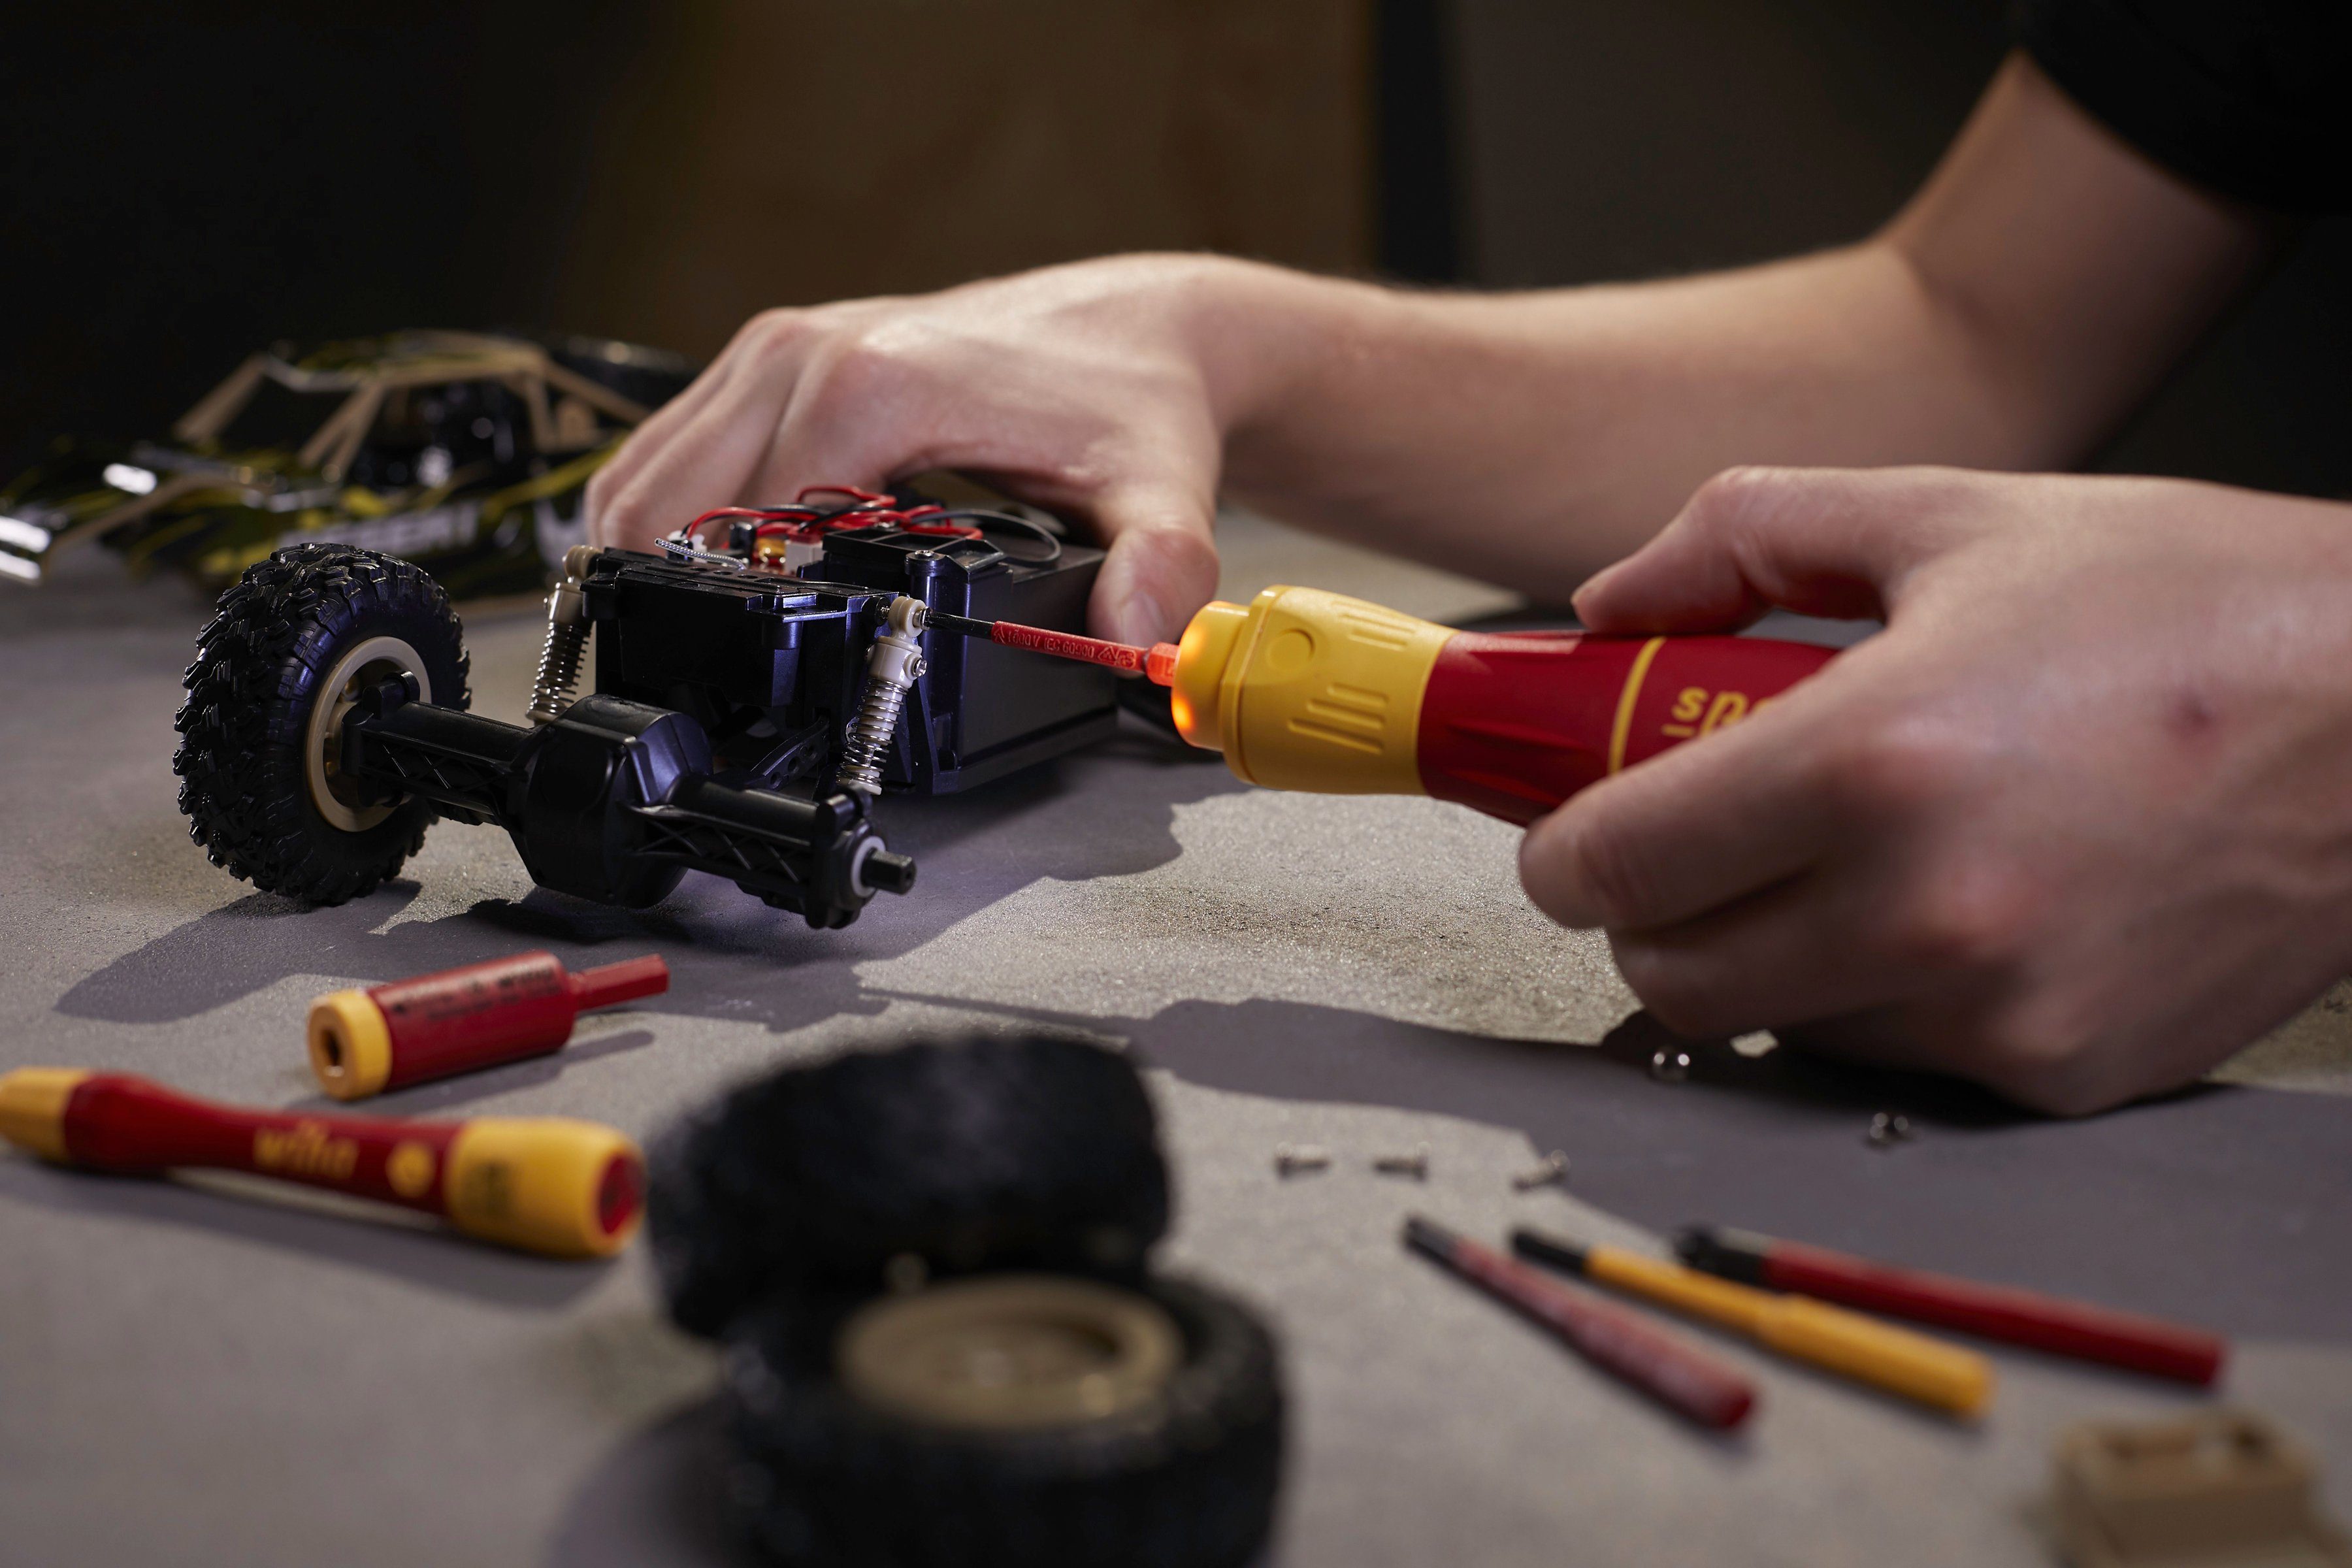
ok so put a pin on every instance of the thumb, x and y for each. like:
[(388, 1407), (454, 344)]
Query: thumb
[(1822, 542), (1162, 564)]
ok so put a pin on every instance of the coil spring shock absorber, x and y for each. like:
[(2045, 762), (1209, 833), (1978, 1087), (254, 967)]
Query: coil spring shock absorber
[(567, 640), (893, 669)]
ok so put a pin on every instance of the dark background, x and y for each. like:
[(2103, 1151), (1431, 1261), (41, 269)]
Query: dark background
[(180, 185), (183, 185)]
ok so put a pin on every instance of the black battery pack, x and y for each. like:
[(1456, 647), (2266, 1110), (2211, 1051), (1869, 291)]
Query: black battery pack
[(771, 664)]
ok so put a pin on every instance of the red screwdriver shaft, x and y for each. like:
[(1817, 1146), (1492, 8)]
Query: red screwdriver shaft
[(1157, 662)]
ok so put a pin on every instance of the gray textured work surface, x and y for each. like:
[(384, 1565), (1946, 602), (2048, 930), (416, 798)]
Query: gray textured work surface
[(190, 1376)]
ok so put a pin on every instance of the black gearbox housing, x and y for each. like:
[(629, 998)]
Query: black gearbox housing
[(772, 666)]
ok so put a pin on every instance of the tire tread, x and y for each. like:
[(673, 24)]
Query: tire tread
[(240, 761)]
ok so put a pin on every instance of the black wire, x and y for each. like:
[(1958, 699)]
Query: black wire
[(983, 515)]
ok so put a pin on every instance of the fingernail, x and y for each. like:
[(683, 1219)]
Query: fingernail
[(1596, 582), (1138, 618)]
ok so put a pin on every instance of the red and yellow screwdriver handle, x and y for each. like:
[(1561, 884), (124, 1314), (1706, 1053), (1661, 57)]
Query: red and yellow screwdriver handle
[(550, 1184), (1308, 690), (364, 1041)]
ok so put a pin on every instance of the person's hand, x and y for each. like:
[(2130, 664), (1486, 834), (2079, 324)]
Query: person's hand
[(2077, 824), (1090, 390)]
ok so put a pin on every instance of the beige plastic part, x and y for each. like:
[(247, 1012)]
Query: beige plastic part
[(1308, 691), (33, 1107), (1016, 1353), (2216, 1488), (322, 744), (351, 1047), (537, 1183)]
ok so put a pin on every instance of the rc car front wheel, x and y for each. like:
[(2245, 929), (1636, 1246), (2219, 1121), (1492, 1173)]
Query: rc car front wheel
[(289, 647)]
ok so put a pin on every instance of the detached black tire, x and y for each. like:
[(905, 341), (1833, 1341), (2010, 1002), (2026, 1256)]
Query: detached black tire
[(1185, 1477), (256, 757), (1026, 1151)]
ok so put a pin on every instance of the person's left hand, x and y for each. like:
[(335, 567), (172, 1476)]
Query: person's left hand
[(2077, 824)]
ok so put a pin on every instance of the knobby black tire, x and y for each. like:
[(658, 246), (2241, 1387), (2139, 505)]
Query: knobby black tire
[(1022, 1151), (259, 665), (1188, 1480)]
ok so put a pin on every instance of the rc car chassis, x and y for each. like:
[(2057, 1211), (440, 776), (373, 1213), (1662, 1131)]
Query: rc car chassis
[(752, 698)]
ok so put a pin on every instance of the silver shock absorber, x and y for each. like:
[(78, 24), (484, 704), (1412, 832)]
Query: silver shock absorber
[(895, 663), (567, 640)]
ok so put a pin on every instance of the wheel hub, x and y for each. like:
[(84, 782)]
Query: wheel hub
[(1022, 1351), (367, 664)]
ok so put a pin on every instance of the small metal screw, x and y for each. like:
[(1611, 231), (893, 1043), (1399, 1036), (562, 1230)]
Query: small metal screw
[(1670, 1067), (1552, 1172), (1887, 1129), (1290, 1159), (1415, 1164)]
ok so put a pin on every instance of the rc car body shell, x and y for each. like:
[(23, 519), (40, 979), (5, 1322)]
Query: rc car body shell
[(467, 453)]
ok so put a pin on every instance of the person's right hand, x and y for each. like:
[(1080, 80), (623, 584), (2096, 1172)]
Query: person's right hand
[(2077, 824), (1088, 389)]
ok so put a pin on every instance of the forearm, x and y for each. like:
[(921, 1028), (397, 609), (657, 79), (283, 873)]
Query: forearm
[(1535, 437), (2040, 284), (2035, 289)]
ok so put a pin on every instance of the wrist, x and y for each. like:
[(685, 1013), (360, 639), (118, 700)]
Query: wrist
[(1261, 337)]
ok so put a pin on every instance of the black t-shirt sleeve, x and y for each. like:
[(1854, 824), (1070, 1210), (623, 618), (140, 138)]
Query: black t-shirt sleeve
[(2248, 97)]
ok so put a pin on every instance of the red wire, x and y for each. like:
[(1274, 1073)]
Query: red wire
[(868, 497), (693, 530), (805, 524)]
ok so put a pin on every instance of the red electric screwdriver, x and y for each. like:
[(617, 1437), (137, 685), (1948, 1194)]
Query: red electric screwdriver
[(1308, 691)]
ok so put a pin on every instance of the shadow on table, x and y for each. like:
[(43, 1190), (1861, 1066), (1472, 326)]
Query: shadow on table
[(1106, 813), (2223, 1205), (391, 1243), (2220, 1206), (453, 1094), (657, 1499)]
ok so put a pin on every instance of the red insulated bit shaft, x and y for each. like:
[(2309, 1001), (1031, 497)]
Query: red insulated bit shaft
[(1157, 662), (2049, 1323), (1619, 1340)]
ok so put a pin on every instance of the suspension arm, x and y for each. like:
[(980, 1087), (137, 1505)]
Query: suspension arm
[(613, 801)]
